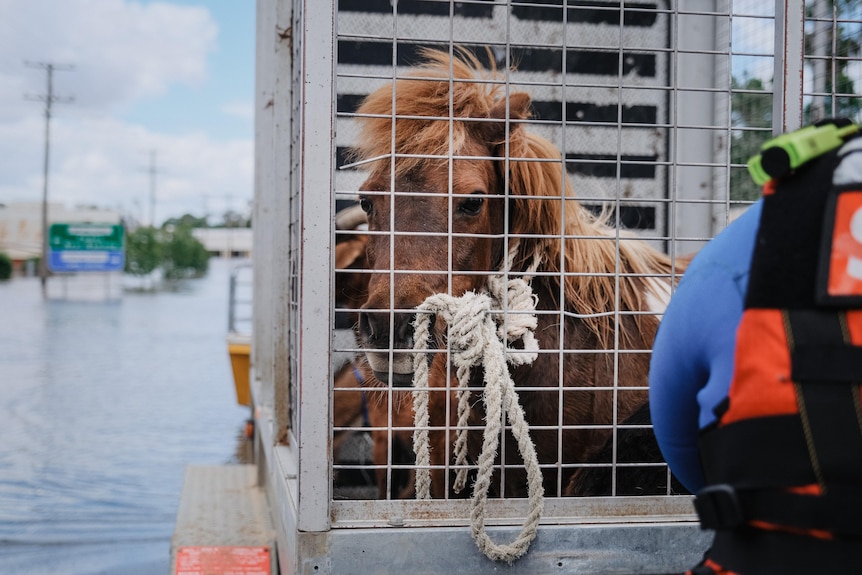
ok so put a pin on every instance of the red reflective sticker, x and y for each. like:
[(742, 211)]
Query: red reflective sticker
[(845, 262), (223, 560)]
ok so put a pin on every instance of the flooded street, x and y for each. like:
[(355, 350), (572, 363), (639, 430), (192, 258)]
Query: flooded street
[(102, 405)]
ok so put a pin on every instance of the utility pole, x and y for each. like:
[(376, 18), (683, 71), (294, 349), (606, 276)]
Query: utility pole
[(49, 98), (153, 172)]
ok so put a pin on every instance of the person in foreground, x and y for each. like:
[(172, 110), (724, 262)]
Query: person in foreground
[(755, 373)]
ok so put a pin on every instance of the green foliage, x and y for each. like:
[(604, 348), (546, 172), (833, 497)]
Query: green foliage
[(751, 102), (184, 255), (143, 251), (752, 114), (232, 219), (5, 266), (840, 51), (173, 249), (185, 221)]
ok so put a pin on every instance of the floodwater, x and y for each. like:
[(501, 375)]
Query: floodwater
[(102, 405)]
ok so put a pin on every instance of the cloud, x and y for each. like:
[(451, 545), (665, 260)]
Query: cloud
[(753, 40), (103, 162), (121, 51), (124, 53), (242, 110)]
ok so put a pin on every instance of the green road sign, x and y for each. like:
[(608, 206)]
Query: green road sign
[(86, 247), (85, 237)]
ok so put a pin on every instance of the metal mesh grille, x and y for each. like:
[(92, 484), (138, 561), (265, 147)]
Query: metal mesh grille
[(654, 108), (832, 74)]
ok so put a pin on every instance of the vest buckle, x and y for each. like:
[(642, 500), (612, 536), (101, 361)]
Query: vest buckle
[(718, 507)]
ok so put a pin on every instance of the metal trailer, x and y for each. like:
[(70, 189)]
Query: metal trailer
[(655, 124)]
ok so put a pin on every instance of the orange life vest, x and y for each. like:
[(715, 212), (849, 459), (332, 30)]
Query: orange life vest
[(783, 462)]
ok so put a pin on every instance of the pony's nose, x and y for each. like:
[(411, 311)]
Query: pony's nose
[(374, 327)]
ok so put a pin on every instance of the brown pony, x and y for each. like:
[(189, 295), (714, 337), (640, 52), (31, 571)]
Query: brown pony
[(358, 400), (456, 181)]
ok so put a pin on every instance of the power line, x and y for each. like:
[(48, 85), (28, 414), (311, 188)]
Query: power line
[(48, 98)]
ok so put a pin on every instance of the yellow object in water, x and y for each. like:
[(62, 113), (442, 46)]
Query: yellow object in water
[(239, 348)]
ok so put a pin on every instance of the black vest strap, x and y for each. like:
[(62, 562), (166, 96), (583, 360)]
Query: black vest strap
[(828, 405), (827, 364), (702, 569), (785, 258), (818, 350), (831, 513), (748, 550), (755, 453), (722, 507)]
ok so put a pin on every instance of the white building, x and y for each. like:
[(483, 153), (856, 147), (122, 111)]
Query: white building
[(226, 242)]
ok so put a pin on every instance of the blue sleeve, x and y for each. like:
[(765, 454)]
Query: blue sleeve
[(693, 355), (692, 364)]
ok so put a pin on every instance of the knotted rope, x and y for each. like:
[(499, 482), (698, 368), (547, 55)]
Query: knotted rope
[(479, 330)]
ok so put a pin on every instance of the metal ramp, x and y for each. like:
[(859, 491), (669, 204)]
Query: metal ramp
[(223, 524)]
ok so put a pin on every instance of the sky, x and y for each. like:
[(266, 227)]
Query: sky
[(165, 84)]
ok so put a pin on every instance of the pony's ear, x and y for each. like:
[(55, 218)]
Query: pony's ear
[(518, 106)]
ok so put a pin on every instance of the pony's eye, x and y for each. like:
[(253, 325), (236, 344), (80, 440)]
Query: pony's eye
[(366, 205), (471, 206)]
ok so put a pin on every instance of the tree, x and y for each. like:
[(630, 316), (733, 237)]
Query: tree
[(5, 266), (751, 101), (186, 220), (844, 42), (752, 114), (143, 251), (183, 255), (233, 219), (173, 249)]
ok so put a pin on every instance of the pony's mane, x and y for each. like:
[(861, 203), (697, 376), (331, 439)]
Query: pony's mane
[(443, 88), (597, 254)]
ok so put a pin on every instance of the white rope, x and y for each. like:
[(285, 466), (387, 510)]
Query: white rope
[(479, 330)]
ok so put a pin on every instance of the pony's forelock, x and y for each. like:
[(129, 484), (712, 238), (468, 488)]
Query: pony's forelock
[(419, 115)]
